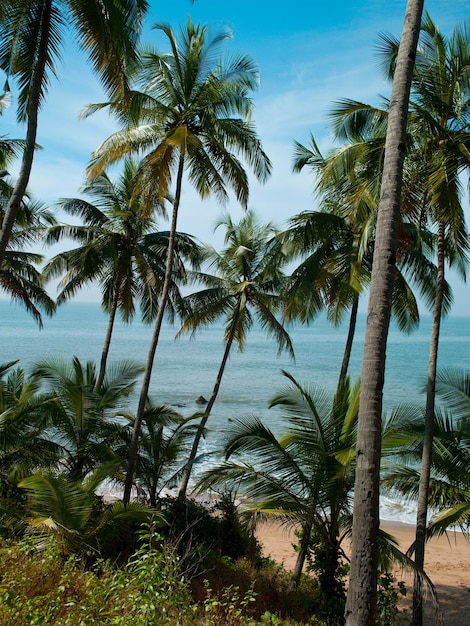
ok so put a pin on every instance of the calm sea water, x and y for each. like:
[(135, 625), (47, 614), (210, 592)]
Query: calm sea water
[(186, 368)]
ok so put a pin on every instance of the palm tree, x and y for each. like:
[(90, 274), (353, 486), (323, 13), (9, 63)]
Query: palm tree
[(20, 277), (439, 110), (449, 481), (24, 444), (120, 248), (193, 115), (362, 591), (336, 244), (245, 288), (84, 417), (306, 475), (32, 33)]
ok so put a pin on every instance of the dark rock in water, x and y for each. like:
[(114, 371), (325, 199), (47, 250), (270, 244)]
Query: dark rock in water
[(201, 400)]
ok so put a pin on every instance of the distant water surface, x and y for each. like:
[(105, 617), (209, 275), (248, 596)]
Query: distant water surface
[(186, 368)]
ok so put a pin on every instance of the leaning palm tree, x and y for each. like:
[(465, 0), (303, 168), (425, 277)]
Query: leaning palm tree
[(121, 249), (193, 115), (246, 287), (32, 33)]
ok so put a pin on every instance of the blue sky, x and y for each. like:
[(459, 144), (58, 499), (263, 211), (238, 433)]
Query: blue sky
[(310, 54)]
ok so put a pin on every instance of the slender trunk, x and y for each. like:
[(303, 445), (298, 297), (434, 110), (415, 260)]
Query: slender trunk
[(109, 332), (155, 337), (349, 341), (361, 604), (34, 101), (301, 556), (422, 506), (197, 438)]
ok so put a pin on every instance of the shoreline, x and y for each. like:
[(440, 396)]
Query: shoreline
[(447, 563)]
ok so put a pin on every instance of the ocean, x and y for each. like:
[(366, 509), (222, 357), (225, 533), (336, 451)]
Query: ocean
[(186, 368)]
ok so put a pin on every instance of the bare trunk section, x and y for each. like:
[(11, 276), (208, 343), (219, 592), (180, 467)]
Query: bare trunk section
[(349, 341), (301, 556), (423, 493), (197, 438), (34, 99), (361, 604), (109, 333), (155, 337)]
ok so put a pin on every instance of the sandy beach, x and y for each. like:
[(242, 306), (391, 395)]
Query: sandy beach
[(447, 563)]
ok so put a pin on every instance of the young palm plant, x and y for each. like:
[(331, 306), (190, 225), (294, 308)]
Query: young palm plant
[(67, 509), (449, 480), (163, 442), (83, 417), (245, 288), (193, 115)]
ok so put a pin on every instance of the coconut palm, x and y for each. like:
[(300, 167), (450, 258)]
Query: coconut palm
[(362, 591), (119, 247), (439, 113), (193, 116), (336, 244), (32, 34), (83, 416), (24, 445), (245, 287), (449, 482), (20, 277), (305, 476)]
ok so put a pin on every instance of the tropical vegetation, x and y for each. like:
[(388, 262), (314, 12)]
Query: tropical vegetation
[(389, 220)]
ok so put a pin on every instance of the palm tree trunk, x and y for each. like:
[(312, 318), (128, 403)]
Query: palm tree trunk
[(155, 337), (361, 604), (197, 438), (349, 341), (422, 506), (109, 332), (301, 556), (34, 100)]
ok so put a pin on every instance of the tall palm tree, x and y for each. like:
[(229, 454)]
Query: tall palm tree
[(120, 248), (246, 287), (83, 417), (362, 591), (336, 244), (439, 113), (32, 34), (193, 115)]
